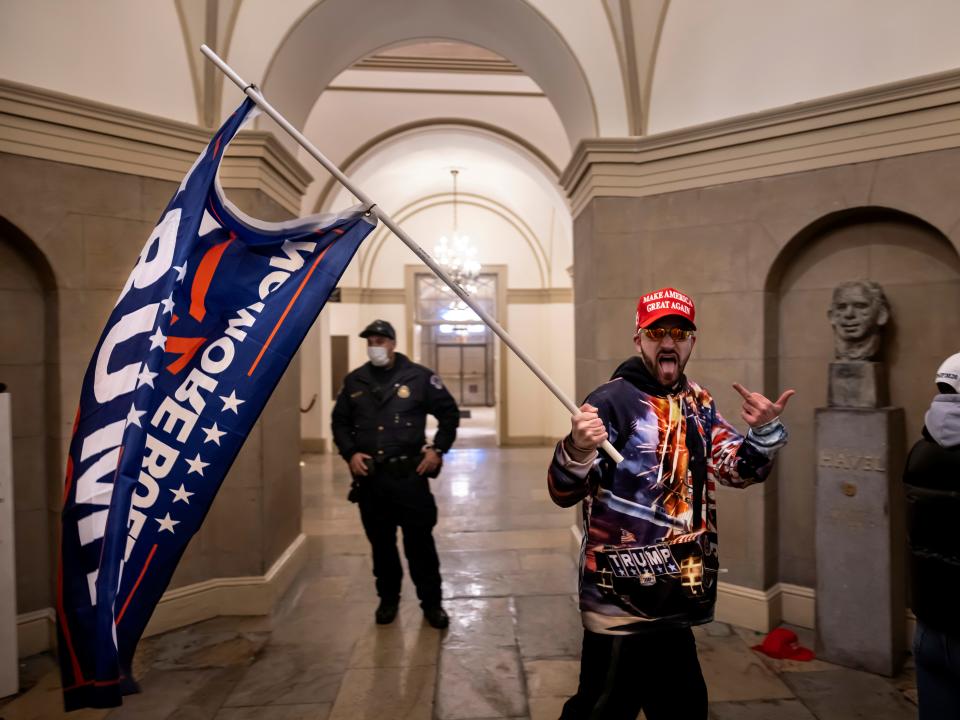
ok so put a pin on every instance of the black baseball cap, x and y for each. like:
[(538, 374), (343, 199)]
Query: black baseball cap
[(379, 327)]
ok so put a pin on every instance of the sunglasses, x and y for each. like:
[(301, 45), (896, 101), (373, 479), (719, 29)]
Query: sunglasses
[(660, 333)]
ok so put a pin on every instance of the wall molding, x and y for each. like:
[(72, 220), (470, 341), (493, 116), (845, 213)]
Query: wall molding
[(522, 441), (397, 296), (448, 64), (36, 631), (245, 595), (432, 91), (763, 610), (373, 296), (539, 296), (54, 126), (901, 118)]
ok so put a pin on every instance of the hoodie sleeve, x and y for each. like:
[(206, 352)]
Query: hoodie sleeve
[(567, 479), (570, 481), (738, 461)]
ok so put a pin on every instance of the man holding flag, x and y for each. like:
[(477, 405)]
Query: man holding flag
[(209, 319), (649, 559)]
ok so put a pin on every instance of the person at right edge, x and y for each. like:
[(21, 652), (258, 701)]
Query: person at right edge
[(649, 562), (932, 479)]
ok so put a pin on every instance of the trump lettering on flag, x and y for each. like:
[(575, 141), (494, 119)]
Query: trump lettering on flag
[(208, 321)]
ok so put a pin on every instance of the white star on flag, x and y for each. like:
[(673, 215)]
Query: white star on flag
[(133, 417), (167, 304), (181, 494), (146, 377), (196, 465), (181, 271), (158, 340), (167, 523), (213, 434), (231, 402)]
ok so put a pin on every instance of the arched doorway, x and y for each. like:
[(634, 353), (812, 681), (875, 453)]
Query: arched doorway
[(920, 272), (26, 360), (517, 217)]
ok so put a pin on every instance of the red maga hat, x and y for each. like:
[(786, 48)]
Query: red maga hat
[(781, 643), (660, 303)]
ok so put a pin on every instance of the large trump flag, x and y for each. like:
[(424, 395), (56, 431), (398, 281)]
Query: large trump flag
[(208, 320)]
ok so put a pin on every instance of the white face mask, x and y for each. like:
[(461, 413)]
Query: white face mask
[(378, 355)]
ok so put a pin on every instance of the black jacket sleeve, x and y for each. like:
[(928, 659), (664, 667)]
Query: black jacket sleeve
[(443, 407), (344, 435)]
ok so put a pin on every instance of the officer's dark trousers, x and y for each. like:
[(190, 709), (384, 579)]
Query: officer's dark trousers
[(402, 499), (656, 672)]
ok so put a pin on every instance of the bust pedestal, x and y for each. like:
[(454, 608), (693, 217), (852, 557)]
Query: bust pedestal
[(860, 538)]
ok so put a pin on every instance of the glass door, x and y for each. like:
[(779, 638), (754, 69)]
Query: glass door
[(454, 341)]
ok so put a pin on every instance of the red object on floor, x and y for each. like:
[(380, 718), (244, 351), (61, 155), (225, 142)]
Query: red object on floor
[(782, 644)]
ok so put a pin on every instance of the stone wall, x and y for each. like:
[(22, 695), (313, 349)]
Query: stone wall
[(759, 257), (69, 238)]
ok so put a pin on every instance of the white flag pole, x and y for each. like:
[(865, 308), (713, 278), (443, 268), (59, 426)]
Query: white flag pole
[(254, 94)]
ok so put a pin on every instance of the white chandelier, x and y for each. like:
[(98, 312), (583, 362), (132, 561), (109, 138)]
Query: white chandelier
[(456, 254), (458, 257)]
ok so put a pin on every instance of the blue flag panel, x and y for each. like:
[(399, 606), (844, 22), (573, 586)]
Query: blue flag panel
[(207, 322)]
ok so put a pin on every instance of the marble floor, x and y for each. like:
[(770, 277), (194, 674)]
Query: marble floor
[(511, 650)]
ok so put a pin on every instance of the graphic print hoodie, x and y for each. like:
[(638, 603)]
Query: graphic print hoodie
[(649, 554)]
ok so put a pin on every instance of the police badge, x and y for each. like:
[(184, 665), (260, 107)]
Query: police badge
[(403, 392)]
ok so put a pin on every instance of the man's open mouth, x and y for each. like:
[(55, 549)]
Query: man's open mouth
[(668, 363)]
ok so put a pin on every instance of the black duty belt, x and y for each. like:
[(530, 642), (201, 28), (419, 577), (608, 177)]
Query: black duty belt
[(398, 461)]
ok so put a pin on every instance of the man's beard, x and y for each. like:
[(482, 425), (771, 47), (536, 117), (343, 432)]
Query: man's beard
[(666, 367)]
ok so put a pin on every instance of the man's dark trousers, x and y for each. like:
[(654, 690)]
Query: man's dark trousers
[(937, 655), (657, 672), (393, 496)]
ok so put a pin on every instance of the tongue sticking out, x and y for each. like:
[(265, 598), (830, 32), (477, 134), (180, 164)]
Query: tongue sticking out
[(668, 367)]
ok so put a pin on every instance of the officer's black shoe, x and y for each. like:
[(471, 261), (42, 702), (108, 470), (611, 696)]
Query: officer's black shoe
[(437, 617), (387, 612)]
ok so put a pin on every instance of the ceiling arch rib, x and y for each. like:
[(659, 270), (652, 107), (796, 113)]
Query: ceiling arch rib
[(406, 168), (334, 34), (370, 147), (533, 243)]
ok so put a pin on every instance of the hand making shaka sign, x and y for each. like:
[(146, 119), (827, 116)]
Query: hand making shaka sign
[(757, 410)]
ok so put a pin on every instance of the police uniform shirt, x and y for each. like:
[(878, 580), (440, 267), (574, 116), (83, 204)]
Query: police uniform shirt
[(383, 411)]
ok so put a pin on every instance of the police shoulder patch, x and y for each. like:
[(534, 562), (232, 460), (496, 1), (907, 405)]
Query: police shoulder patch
[(436, 382)]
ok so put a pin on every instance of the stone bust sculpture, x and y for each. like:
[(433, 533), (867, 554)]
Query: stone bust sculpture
[(858, 312)]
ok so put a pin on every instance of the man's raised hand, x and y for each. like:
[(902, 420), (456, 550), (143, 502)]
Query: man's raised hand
[(757, 410)]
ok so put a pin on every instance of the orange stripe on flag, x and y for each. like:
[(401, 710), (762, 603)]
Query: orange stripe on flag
[(204, 276), (186, 348), (135, 585), (213, 210), (287, 310)]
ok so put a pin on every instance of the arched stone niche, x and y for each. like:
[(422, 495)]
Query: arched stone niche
[(27, 360), (920, 272)]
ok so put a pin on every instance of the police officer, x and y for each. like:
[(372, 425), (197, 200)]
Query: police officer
[(379, 423)]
